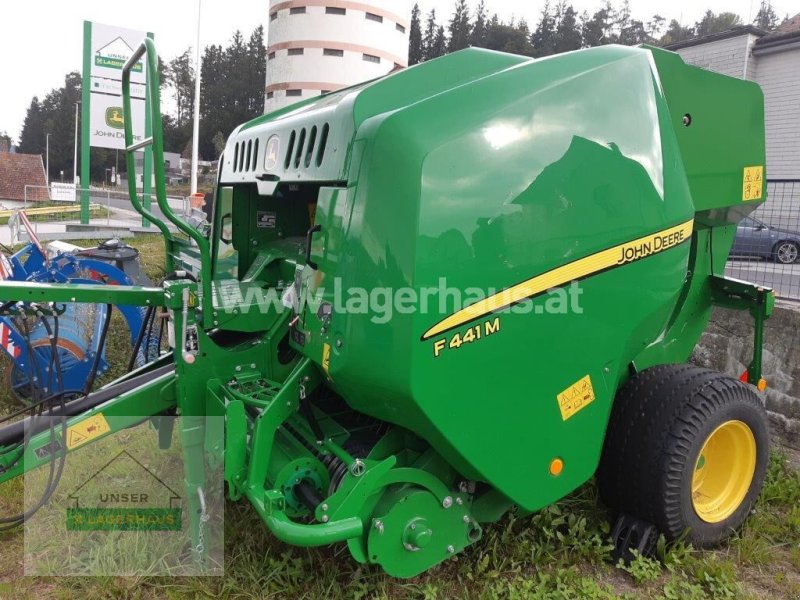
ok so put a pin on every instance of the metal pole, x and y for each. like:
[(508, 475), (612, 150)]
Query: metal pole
[(86, 98), (47, 151), (196, 126), (75, 156)]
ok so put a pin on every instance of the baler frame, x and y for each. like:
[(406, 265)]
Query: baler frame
[(256, 408)]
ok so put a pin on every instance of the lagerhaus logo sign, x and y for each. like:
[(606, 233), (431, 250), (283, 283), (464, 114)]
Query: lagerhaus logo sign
[(115, 54)]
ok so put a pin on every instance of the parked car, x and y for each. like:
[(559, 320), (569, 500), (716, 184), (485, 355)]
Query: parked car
[(754, 238)]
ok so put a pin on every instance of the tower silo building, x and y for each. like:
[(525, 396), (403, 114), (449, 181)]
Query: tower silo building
[(317, 46)]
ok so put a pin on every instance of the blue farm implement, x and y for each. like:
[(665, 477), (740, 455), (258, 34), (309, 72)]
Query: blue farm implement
[(62, 348)]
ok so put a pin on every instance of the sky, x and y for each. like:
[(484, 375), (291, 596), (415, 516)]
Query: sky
[(43, 38)]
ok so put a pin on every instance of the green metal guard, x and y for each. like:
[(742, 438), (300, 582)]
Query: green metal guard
[(157, 142)]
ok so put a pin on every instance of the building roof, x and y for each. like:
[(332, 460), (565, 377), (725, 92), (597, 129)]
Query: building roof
[(715, 37), (19, 170), (786, 32), (788, 26)]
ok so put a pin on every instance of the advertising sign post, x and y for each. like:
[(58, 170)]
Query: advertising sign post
[(106, 49)]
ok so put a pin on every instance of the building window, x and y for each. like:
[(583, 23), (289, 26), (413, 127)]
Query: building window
[(373, 17), (270, 95), (297, 10), (371, 58), (331, 10), (400, 28), (273, 16), (271, 56), (296, 51), (332, 52), (294, 92)]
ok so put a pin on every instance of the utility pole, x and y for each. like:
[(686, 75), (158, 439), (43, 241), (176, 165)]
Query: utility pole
[(196, 126), (47, 159), (75, 156)]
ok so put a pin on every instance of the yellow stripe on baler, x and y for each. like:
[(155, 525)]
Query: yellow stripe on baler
[(593, 264)]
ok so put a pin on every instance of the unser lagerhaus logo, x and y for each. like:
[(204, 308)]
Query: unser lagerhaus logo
[(115, 54)]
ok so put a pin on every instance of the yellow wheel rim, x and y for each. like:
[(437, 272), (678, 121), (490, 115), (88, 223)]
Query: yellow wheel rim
[(723, 471)]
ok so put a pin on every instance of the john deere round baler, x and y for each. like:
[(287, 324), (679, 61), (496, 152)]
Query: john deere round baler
[(466, 287)]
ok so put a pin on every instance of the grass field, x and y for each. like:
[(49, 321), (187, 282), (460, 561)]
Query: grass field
[(559, 553)]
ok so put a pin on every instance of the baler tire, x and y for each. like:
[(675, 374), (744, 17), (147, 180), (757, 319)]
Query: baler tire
[(655, 450)]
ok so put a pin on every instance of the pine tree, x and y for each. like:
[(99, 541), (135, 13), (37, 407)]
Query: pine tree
[(766, 18), (630, 31), (219, 142), (213, 98), (415, 50), (257, 61), (479, 29), (439, 43), (31, 141), (508, 37), (429, 39), (460, 29), (544, 36), (654, 27), (232, 87), (54, 115), (596, 31), (676, 33), (715, 23), (568, 32), (180, 78)]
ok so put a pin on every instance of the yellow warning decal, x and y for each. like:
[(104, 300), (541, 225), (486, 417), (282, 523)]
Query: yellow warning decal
[(87, 430), (610, 258), (326, 357), (576, 397), (753, 183)]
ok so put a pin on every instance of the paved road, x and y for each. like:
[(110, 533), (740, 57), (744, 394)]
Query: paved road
[(122, 202), (121, 215), (784, 279)]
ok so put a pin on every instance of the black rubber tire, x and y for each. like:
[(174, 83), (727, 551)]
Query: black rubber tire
[(659, 422)]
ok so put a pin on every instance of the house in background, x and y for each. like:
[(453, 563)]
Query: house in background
[(773, 61), (22, 179)]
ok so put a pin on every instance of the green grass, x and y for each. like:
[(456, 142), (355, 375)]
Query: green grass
[(98, 212), (561, 552)]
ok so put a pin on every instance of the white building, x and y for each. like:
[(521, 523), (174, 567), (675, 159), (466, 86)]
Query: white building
[(317, 46), (773, 61)]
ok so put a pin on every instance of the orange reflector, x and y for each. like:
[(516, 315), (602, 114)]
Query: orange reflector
[(556, 467), (762, 384)]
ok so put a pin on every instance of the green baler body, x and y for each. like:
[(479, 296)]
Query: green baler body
[(530, 232), (489, 170)]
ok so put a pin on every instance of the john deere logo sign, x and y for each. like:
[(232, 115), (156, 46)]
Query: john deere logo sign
[(115, 54), (273, 146), (114, 117)]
